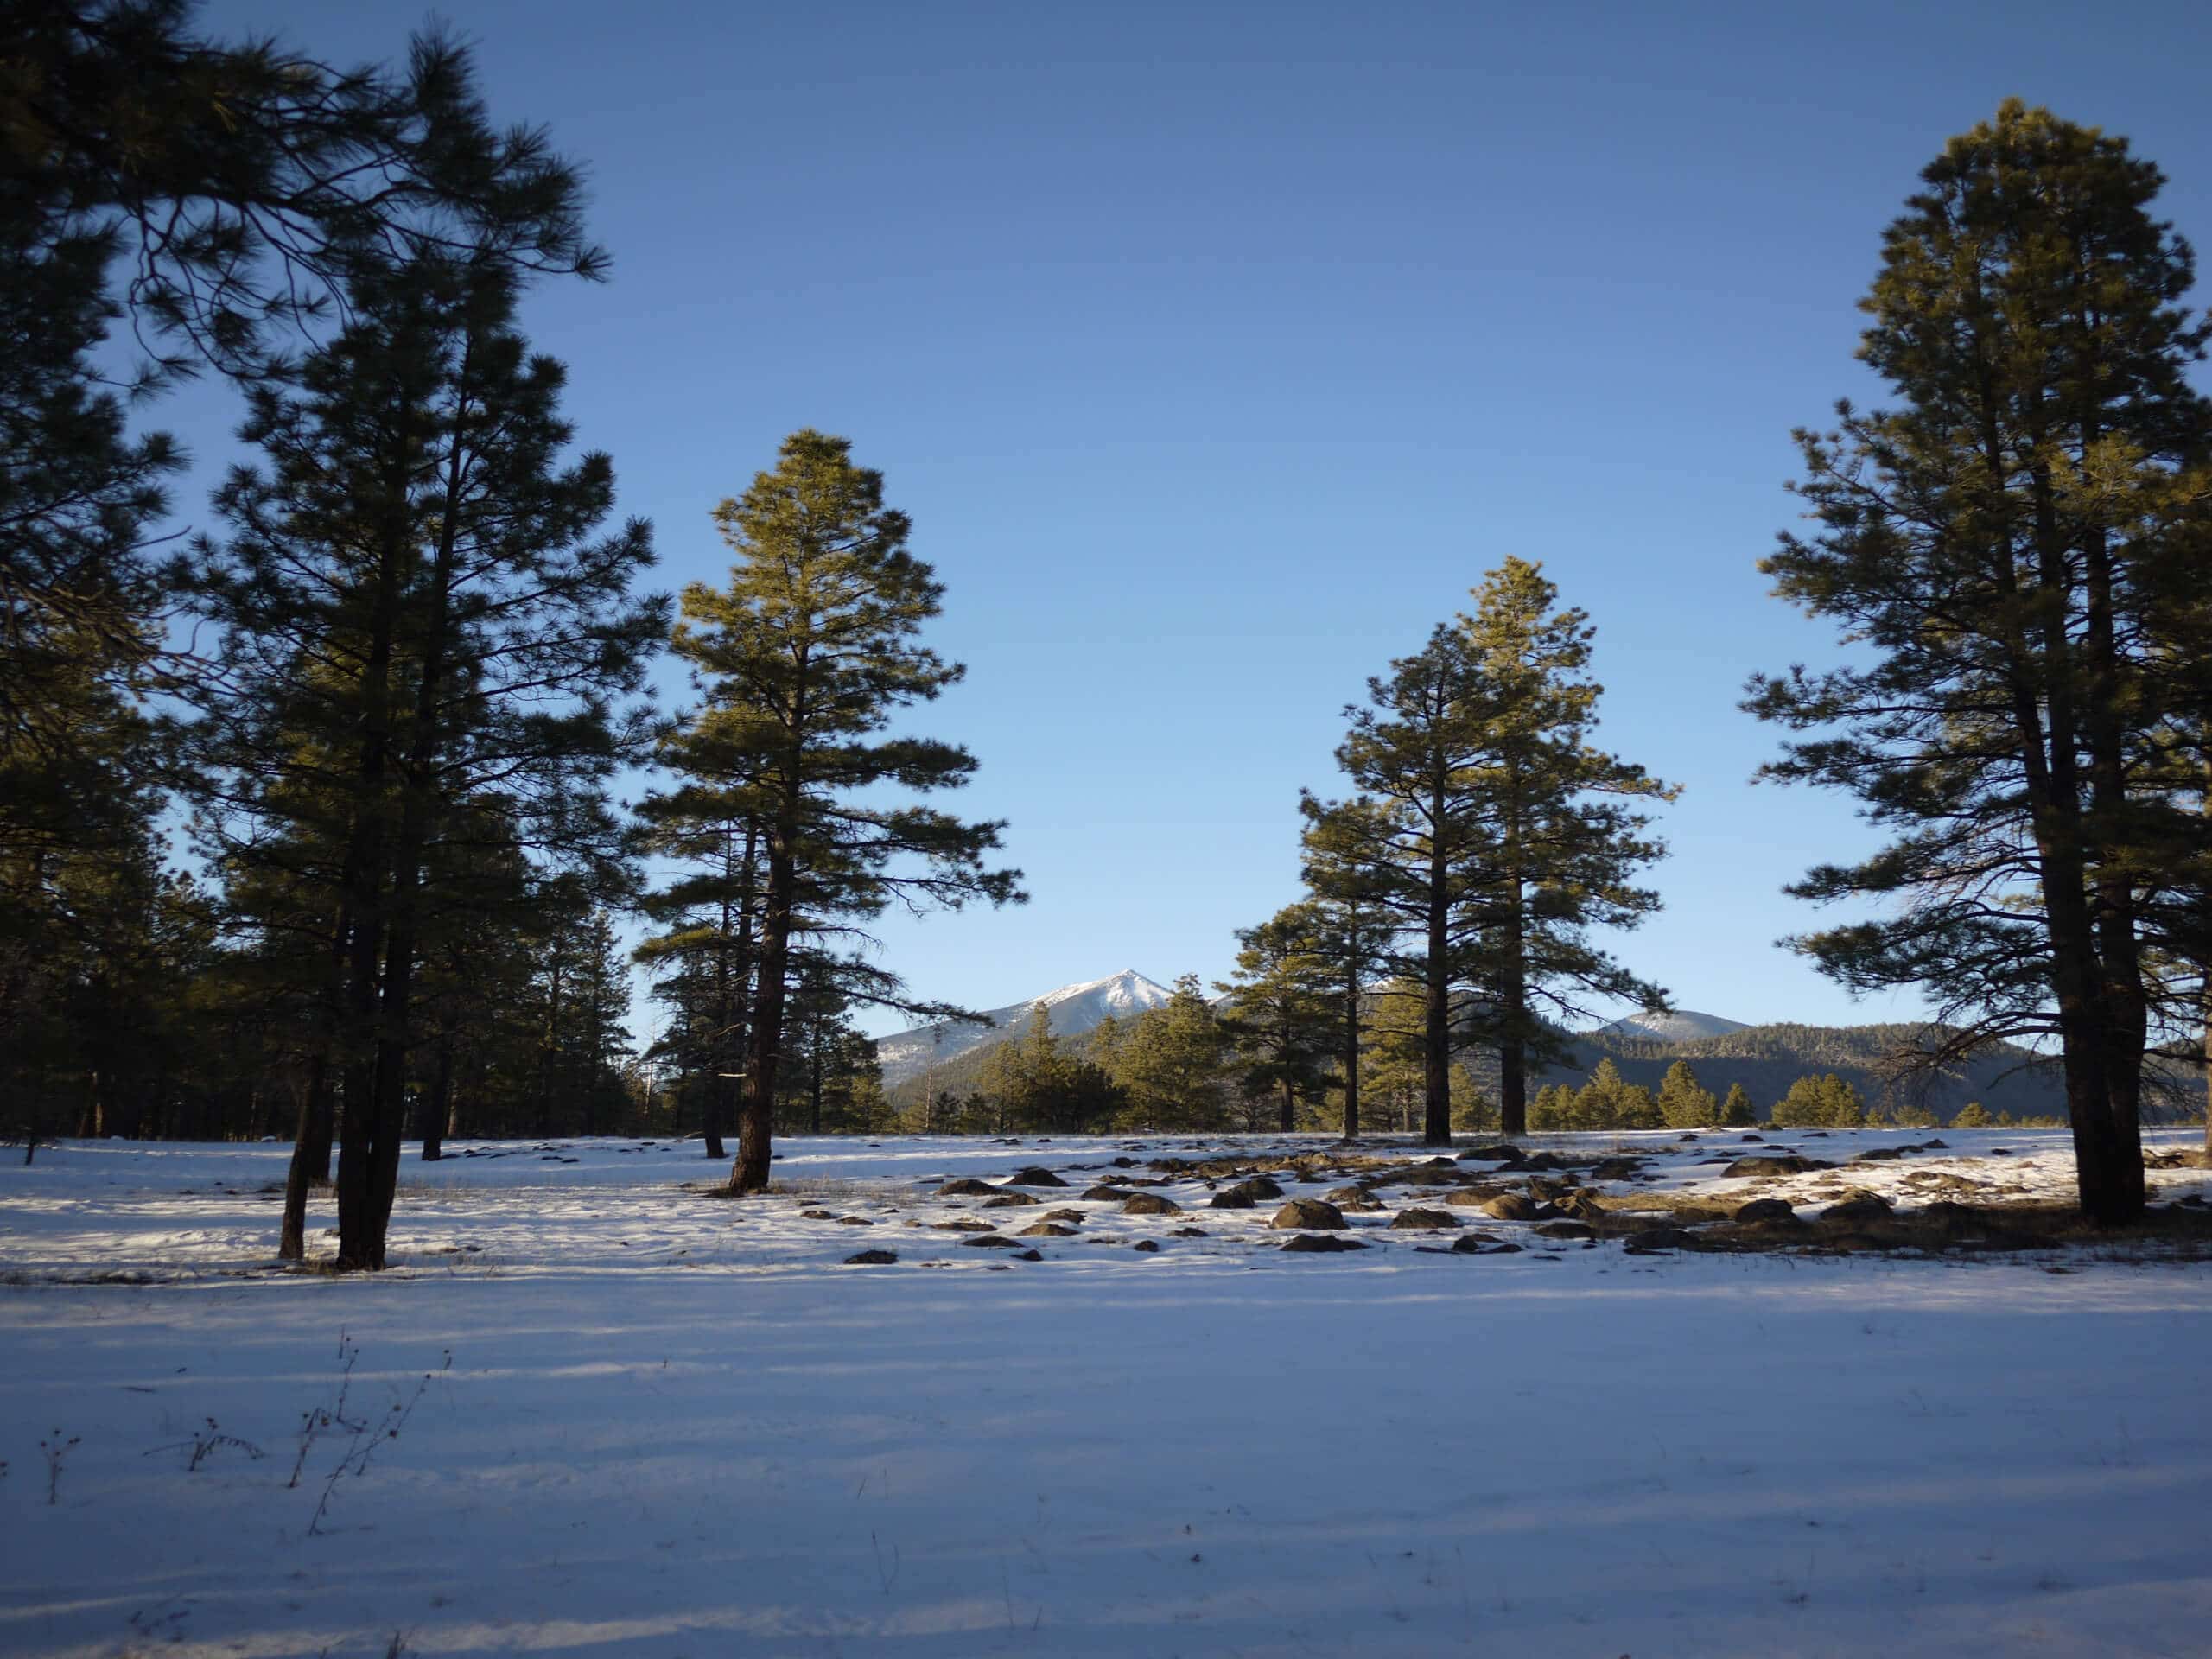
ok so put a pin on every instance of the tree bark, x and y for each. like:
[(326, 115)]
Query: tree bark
[(756, 1124), (1436, 1030), (1513, 1000), (432, 1113)]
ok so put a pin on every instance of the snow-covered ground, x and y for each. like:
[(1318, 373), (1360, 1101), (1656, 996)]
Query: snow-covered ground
[(672, 1424)]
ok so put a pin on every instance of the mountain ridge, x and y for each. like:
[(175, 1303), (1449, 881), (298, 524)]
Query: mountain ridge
[(1071, 1009), (1766, 1057)]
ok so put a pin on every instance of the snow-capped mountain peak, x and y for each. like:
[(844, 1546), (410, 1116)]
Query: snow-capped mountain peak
[(1071, 1010), (1679, 1026)]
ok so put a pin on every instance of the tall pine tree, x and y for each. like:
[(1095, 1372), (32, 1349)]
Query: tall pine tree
[(1564, 840), (2009, 545), (802, 662), (417, 624)]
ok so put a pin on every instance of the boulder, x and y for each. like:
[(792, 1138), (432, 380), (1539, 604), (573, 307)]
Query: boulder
[(855, 1221), (1192, 1232), (1317, 1213), (1763, 1210), (965, 1225), (1500, 1154), (1421, 1175), (1048, 1230), (1859, 1206), (1103, 1192), (1432, 1221), (1511, 1206), (1062, 1214), (1150, 1203), (872, 1259), (1146, 1247), (1879, 1155), (1245, 1195), (1309, 1243), (1481, 1245), (1027, 1255), (1007, 1201), (1356, 1198), (1473, 1198), (1567, 1229), (1035, 1175), (991, 1241), (1787, 1163), (966, 1188), (817, 1215)]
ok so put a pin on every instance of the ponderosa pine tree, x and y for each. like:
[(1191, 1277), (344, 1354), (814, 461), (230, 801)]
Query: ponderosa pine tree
[(79, 632), (802, 661), (1563, 839), (235, 180), (1416, 837), (2010, 545), (1282, 1019), (225, 184), (415, 622)]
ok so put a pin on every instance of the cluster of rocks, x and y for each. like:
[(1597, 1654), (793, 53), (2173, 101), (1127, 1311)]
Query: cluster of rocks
[(1557, 1196)]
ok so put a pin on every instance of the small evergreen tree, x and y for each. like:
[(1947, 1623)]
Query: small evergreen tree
[(1281, 1017), (1553, 1108), (1172, 1062), (1736, 1110), (1684, 1102)]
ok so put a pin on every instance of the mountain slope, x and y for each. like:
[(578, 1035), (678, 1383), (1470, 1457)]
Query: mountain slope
[(1071, 1010), (1682, 1025), (1766, 1059)]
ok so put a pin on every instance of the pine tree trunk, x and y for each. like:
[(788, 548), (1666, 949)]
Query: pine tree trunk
[(311, 1138), (432, 1114), (545, 1051), (2107, 1152), (1436, 1026), (719, 1055), (1513, 1007), (1289, 1106), (361, 888), (712, 1101), (1351, 1055), (756, 1126), (814, 1082)]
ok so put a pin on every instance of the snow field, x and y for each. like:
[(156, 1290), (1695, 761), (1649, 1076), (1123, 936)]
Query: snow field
[(673, 1425)]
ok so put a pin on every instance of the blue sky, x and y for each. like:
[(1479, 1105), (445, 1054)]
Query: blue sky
[(1217, 350)]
